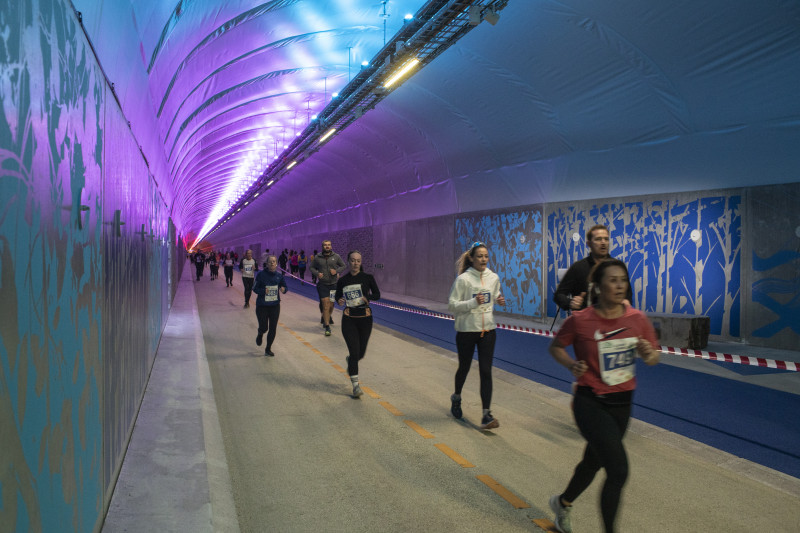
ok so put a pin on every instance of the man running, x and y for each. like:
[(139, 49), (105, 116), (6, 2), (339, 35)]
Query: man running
[(326, 268)]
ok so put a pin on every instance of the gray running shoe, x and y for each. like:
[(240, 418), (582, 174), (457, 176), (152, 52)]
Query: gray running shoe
[(455, 406), (357, 390), (489, 422), (561, 520)]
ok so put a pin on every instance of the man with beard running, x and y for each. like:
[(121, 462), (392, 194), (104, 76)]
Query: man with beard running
[(326, 268)]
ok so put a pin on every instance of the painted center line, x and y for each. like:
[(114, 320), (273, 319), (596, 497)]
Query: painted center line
[(452, 454), (391, 408), (419, 429), (503, 492)]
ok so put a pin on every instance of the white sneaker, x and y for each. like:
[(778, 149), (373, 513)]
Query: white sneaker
[(357, 390), (561, 520)]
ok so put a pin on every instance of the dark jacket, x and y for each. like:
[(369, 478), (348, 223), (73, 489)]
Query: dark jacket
[(358, 291), (267, 286), (324, 263), (576, 281)]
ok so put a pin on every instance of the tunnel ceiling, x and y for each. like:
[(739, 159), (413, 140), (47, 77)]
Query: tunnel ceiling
[(566, 99)]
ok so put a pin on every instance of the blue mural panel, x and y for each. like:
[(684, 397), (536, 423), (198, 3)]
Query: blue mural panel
[(682, 256), (514, 241)]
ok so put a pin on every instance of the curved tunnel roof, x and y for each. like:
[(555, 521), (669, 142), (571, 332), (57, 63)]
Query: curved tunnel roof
[(558, 100)]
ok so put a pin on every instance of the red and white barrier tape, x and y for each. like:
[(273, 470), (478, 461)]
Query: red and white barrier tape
[(698, 354), (713, 356)]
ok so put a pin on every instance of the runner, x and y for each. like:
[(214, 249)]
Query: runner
[(326, 268), (606, 338), (472, 300), (248, 269), (268, 285), (355, 291)]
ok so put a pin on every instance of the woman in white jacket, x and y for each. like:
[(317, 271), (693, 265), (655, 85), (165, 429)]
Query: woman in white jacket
[(472, 299)]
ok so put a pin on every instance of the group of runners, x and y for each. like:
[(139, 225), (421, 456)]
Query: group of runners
[(607, 335)]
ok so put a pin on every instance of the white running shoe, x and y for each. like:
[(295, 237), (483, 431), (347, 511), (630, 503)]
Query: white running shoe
[(561, 520)]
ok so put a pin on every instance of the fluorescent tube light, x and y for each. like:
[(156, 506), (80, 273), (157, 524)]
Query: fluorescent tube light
[(402, 72)]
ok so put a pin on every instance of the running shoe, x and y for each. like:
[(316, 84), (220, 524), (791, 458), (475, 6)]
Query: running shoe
[(489, 422), (327, 331), (561, 520), (455, 406), (269, 353), (259, 338), (357, 392)]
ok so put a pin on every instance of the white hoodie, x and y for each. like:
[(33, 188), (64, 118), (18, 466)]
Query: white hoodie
[(469, 315)]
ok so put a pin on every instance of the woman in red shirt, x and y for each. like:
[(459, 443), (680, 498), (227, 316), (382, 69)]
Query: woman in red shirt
[(606, 338)]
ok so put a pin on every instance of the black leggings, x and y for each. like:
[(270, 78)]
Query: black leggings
[(248, 288), (356, 332), (267, 316), (603, 427), (466, 341), (229, 275)]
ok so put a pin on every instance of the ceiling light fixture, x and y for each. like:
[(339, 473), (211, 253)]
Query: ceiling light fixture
[(327, 134), (402, 72), (290, 165)]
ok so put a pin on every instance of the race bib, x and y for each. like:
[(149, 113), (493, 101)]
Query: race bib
[(271, 293), (487, 302), (617, 360), (333, 295), (248, 268), (353, 296)]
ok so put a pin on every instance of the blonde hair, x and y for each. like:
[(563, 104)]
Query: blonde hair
[(465, 260)]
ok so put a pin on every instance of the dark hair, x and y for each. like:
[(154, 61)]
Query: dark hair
[(593, 229), (596, 274)]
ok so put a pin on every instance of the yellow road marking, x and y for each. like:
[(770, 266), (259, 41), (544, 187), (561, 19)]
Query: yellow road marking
[(503, 492), (545, 524), (326, 359), (449, 452), (307, 343), (316, 351), (340, 369), (371, 392), (419, 429), (391, 408)]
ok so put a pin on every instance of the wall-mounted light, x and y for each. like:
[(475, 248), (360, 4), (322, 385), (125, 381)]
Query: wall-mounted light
[(327, 134), (405, 69), (291, 165), (270, 182)]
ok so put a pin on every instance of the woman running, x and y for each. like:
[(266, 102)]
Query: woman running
[(355, 291), (227, 266), (472, 300), (606, 338), (268, 285)]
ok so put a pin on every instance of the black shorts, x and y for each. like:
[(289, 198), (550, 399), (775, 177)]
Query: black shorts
[(324, 291)]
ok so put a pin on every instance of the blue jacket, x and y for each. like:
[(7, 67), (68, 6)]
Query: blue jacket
[(267, 286)]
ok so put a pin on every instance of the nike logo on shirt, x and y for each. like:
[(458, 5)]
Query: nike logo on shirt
[(600, 336)]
